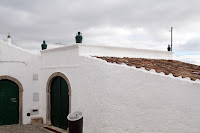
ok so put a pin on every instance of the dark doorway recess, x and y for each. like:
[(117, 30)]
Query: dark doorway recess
[(59, 102), (9, 102)]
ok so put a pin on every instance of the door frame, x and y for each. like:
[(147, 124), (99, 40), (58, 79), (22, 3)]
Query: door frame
[(20, 95), (48, 95)]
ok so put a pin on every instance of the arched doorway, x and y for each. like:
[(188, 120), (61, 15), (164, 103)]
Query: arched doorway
[(10, 101), (58, 100)]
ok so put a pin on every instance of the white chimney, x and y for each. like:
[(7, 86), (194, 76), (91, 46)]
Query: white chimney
[(9, 38)]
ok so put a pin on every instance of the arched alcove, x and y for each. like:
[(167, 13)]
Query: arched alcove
[(20, 95), (48, 90)]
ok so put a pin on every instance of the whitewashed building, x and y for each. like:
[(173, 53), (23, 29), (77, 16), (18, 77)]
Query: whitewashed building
[(115, 96)]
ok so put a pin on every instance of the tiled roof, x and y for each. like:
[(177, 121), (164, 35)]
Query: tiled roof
[(176, 68)]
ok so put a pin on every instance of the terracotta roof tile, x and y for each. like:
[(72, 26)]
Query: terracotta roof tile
[(176, 68)]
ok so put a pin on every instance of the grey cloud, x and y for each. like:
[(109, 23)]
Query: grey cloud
[(192, 45), (58, 21)]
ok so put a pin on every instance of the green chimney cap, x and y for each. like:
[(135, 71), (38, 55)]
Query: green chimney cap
[(79, 37), (44, 45), (168, 48)]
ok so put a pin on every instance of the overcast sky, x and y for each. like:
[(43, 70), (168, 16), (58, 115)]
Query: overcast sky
[(131, 23)]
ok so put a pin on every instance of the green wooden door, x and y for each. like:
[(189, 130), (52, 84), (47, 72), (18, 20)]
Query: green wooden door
[(9, 103), (59, 103)]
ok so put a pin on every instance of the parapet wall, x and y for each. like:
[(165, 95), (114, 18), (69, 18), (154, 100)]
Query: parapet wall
[(92, 50)]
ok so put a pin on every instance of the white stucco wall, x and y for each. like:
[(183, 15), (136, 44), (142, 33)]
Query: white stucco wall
[(12, 53), (93, 50), (66, 61), (113, 98), (21, 65), (122, 99)]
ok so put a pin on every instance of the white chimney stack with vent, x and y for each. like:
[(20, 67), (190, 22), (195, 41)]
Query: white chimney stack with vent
[(9, 38)]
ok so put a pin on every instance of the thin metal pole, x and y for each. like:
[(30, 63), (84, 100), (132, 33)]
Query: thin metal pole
[(171, 37)]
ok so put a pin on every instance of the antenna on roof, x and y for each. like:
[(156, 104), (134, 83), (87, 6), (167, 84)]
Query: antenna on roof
[(171, 36)]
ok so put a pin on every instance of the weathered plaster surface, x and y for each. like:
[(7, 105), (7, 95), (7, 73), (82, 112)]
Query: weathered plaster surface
[(116, 98)]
